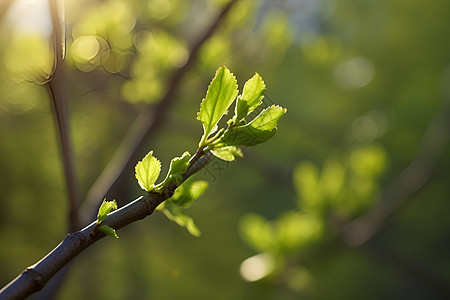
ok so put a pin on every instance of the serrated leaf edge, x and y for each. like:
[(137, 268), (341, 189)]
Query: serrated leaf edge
[(208, 131), (141, 182)]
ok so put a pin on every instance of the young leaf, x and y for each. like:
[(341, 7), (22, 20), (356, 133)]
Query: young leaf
[(221, 93), (108, 230), (176, 214), (187, 193), (147, 171), (105, 209), (192, 228), (251, 97), (228, 153), (259, 130), (268, 118), (178, 165)]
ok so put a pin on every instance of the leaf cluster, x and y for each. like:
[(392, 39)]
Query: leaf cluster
[(241, 131), (343, 189)]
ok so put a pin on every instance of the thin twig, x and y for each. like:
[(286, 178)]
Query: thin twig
[(145, 125), (413, 178), (59, 101)]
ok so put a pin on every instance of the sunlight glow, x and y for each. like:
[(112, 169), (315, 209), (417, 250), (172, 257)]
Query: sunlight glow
[(32, 46), (85, 47), (257, 267), (31, 16)]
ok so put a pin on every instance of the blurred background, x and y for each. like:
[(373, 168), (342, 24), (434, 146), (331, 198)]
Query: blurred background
[(349, 200)]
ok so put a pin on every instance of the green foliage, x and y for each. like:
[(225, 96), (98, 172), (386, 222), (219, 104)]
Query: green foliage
[(257, 232), (102, 40), (151, 71), (341, 190), (30, 58), (345, 188), (185, 196), (258, 131), (179, 165), (346, 72), (103, 211), (221, 93), (188, 193), (177, 214), (147, 171), (108, 230), (291, 231), (251, 97), (223, 143), (227, 153)]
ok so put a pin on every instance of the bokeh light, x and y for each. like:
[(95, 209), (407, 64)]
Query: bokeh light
[(256, 267), (355, 73)]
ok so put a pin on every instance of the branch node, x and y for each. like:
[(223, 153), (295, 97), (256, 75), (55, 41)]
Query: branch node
[(36, 278), (76, 237)]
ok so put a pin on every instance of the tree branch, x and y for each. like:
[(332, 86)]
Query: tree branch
[(59, 101), (34, 278), (145, 124), (59, 105), (413, 178)]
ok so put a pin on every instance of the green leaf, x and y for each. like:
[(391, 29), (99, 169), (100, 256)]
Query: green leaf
[(192, 228), (108, 230), (268, 118), (220, 95), (184, 196), (187, 193), (258, 232), (179, 165), (147, 171), (229, 153), (251, 97), (259, 130), (295, 230), (176, 214), (105, 209)]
